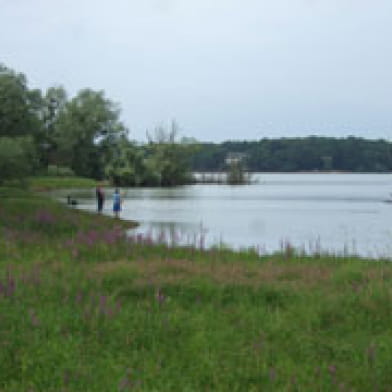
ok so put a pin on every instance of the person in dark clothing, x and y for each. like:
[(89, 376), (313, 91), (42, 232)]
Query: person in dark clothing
[(100, 198)]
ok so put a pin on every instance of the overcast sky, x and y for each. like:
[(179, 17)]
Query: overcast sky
[(224, 69)]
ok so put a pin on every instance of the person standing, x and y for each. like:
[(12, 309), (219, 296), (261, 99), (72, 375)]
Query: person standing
[(100, 198), (116, 203)]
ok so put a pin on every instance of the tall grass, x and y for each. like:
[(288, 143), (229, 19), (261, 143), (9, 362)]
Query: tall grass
[(86, 308)]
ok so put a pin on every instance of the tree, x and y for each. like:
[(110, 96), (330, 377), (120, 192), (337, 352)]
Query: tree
[(162, 162), (167, 158), (17, 155), (52, 105), (298, 154), (84, 127), (19, 125), (128, 167), (18, 105)]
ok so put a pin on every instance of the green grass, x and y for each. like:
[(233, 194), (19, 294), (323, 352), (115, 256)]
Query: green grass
[(48, 183), (83, 308)]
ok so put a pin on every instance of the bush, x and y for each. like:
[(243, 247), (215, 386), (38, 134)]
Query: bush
[(60, 171), (236, 174), (17, 158)]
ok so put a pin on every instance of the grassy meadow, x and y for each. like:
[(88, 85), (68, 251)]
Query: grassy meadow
[(83, 307)]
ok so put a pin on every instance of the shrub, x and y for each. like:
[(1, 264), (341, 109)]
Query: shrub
[(60, 171), (236, 174), (17, 158)]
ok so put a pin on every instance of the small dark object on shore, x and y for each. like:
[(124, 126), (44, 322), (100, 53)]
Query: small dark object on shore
[(71, 202)]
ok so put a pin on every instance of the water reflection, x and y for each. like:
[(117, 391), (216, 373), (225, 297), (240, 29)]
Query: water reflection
[(343, 213)]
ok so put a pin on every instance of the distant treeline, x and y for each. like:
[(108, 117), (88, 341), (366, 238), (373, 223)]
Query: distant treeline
[(299, 154)]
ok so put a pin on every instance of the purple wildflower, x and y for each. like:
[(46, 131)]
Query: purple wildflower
[(332, 370), (44, 217), (160, 297), (102, 304), (125, 383), (371, 353), (34, 319), (7, 289), (79, 297), (272, 374), (11, 286)]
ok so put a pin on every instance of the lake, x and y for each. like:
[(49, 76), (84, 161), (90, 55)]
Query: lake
[(339, 213)]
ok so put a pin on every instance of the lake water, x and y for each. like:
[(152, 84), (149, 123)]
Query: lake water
[(339, 213)]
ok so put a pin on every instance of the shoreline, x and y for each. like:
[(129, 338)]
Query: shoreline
[(304, 247)]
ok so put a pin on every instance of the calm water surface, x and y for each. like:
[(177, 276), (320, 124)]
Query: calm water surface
[(341, 213)]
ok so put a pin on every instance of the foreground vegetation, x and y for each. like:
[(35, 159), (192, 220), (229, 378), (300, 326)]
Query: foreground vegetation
[(85, 308)]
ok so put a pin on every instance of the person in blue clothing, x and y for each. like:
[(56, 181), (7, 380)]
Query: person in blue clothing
[(116, 203)]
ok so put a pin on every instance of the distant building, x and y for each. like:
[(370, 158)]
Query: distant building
[(235, 158), (327, 162)]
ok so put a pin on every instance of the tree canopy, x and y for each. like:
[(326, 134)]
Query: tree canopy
[(18, 105), (82, 135), (83, 127)]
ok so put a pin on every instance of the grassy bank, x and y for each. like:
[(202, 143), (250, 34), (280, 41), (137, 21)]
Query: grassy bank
[(46, 183), (84, 308)]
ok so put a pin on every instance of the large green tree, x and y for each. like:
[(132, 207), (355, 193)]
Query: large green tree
[(17, 157), (52, 104), (84, 128), (163, 161), (169, 159), (20, 123), (19, 106), (128, 166)]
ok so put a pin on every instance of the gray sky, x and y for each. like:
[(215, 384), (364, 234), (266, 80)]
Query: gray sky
[(224, 69)]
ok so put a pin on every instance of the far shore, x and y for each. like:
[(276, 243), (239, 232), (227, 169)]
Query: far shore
[(46, 183)]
